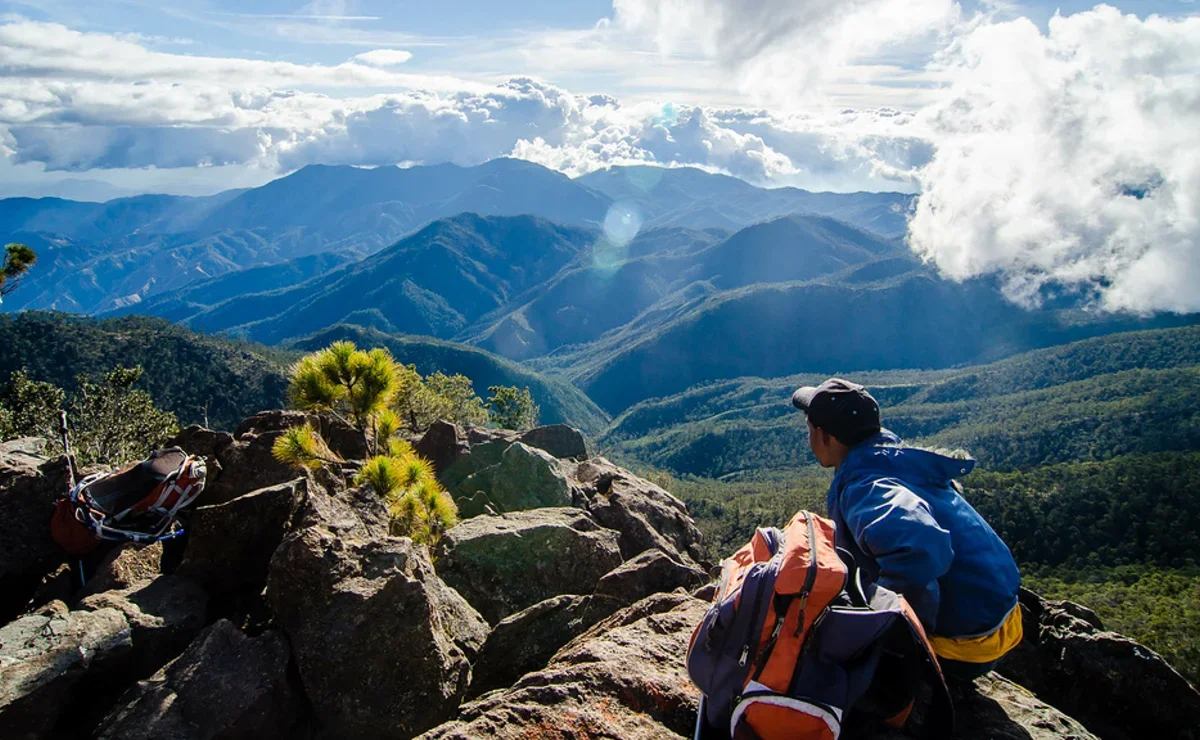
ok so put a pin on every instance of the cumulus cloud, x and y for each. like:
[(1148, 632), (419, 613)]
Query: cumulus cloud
[(384, 57), (163, 110), (1064, 159), (1070, 157)]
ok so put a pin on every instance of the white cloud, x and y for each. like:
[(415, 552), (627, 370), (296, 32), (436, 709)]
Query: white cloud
[(1070, 157), (788, 50), (384, 57), (34, 50), (143, 109)]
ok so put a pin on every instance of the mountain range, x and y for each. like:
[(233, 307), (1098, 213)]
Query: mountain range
[(103, 256), (628, 284)]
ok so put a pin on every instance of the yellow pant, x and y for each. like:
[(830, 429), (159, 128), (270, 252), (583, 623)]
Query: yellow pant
[(985, 648)]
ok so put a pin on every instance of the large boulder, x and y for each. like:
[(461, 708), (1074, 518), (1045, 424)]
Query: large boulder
[(528, 639), (501, 477), (503, 564), (383, 646), (29, 487), (443, 444), (123, 566), (163, 616), (45, 657), (1118, 688), (230, 544), (225, 685), (646, 515), (560, 440), (623, 678), (651, 572)]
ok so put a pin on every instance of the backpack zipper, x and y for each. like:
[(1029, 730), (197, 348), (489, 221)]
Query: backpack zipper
[(810, 578), (745, 654)]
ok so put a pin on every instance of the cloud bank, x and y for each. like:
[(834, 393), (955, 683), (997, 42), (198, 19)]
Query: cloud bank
[(81, 101), (1063, 160)]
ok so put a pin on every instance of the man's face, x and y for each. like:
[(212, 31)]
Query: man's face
[(817, 443)]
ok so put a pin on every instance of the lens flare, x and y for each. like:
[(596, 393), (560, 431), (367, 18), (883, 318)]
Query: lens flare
[(622, 223)]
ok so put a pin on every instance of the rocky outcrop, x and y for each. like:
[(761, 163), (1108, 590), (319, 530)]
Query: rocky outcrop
[(230, 545), (651, 572), (622, 678), (383, 646), (338, 629), (528, 639), (29, 487), (242, 462), (163, 616), (45, 657), (499, 477), (225, 685), (646, 515), (346, 441), (495, 472), (1118, 688), (503, 564)]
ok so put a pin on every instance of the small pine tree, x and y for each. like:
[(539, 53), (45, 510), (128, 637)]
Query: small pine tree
[(353, 384), (18, 258), (509, 408), (418, 505)]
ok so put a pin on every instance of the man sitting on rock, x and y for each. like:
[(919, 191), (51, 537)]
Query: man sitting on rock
[(899, 511)]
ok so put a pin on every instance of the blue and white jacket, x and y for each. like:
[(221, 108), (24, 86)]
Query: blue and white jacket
[(896, 509)]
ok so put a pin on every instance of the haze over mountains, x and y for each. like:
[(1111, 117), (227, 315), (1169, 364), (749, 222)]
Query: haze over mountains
[(630, 283)]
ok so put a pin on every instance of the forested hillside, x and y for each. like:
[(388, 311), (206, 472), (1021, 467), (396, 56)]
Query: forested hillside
[(189, 374), (197, 376), (1090, 400)]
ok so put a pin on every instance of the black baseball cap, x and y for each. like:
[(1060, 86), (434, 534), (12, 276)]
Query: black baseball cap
[(842, 408)]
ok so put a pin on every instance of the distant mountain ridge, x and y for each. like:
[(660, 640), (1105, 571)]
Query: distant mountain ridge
[(97, 257), (693, 198)]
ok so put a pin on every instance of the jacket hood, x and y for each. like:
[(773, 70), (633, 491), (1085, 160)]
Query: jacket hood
[(886, 454)]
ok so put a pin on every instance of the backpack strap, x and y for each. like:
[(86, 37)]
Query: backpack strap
[(938, 717)]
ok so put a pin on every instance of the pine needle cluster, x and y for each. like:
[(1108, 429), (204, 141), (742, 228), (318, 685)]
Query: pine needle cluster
[(303, 447), (420, 508)]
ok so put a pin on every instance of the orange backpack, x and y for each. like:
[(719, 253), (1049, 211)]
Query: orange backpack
[(793, 640)]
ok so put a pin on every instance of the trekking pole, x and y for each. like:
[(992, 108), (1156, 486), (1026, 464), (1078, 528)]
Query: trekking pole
[(66, 443), (700, 723)]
